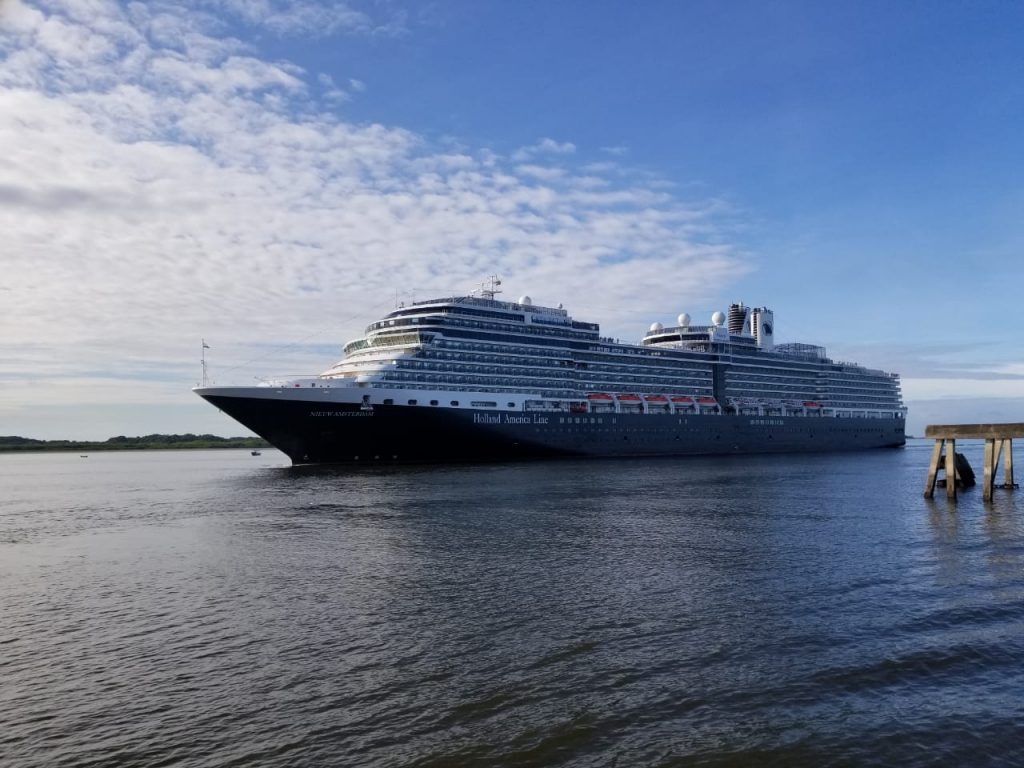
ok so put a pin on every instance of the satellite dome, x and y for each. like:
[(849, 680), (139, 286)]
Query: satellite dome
[(718, 318), (683, 320), (526, 301), (655, 327)]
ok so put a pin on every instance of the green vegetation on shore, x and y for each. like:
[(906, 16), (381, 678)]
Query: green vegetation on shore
[(121, 443)]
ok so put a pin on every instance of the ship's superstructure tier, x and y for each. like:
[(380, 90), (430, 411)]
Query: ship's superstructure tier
[(526, 353)]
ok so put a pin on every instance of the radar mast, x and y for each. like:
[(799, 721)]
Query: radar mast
[(490, 288)]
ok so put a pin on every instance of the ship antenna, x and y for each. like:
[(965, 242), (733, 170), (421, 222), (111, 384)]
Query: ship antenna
[(203, 361), (490, 292)]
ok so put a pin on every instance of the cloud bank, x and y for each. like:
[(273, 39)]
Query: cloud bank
[(163, 181)]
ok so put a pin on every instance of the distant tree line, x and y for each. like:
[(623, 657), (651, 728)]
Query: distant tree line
[(122, 443)]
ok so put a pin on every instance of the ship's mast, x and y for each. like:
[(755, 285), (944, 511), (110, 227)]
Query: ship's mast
[(490, 288), (203, 361)]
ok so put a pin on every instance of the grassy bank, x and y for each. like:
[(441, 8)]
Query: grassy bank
[(14, 443)]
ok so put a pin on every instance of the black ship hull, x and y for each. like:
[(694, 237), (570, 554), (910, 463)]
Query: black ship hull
[(331, 432)]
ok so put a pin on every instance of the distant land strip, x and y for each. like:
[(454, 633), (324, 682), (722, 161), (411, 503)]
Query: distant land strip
[(12, 443)]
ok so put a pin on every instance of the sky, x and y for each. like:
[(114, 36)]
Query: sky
[(271, 176)]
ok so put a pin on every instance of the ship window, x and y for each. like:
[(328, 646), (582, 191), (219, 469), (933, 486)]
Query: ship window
[(433, 402), (412, 402), (511, 405), (388, 401), (455, 402)]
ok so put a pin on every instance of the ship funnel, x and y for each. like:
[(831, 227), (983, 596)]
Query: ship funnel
[(763, 322), (739, 319)]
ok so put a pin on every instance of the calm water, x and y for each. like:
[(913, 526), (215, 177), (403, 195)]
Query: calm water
[(212, 608)]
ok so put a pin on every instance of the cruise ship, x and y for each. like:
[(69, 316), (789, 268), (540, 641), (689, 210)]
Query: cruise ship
[(476, 378)]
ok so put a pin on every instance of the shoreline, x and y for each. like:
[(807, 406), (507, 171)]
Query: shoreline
[(13, 444)]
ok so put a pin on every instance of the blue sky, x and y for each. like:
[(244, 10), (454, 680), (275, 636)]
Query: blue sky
[(269, 175)]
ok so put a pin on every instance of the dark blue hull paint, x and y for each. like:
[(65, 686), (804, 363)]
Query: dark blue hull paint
[(313, 433)]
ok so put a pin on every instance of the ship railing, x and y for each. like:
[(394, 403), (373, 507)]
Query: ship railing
[(483, 302)]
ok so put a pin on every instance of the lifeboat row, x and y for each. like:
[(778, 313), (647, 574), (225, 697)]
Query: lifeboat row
[(682, 402), (654, 402), (602, 397)]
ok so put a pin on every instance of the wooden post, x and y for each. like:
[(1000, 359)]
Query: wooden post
[(990, 459), (950, 468), (933, 468), (1008, 467)]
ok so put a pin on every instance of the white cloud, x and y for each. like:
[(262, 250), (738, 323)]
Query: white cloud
[(977, 409), (555, 147), (544, 147), (316, 18), (1009, 369), (961, 388), (541, 172), (230, 76), (160, 184)]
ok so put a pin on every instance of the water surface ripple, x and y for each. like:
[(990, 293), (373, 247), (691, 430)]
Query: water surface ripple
[(210, 608)]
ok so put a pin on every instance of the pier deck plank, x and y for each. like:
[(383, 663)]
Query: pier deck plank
[(968, 431)]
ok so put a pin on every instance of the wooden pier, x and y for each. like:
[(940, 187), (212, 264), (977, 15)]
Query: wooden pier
[(998, 441)]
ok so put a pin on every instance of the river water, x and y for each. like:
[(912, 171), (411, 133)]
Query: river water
[(212, 608)]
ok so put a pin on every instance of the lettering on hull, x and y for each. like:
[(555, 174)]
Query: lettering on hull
[(341, 413), (507, 418)]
